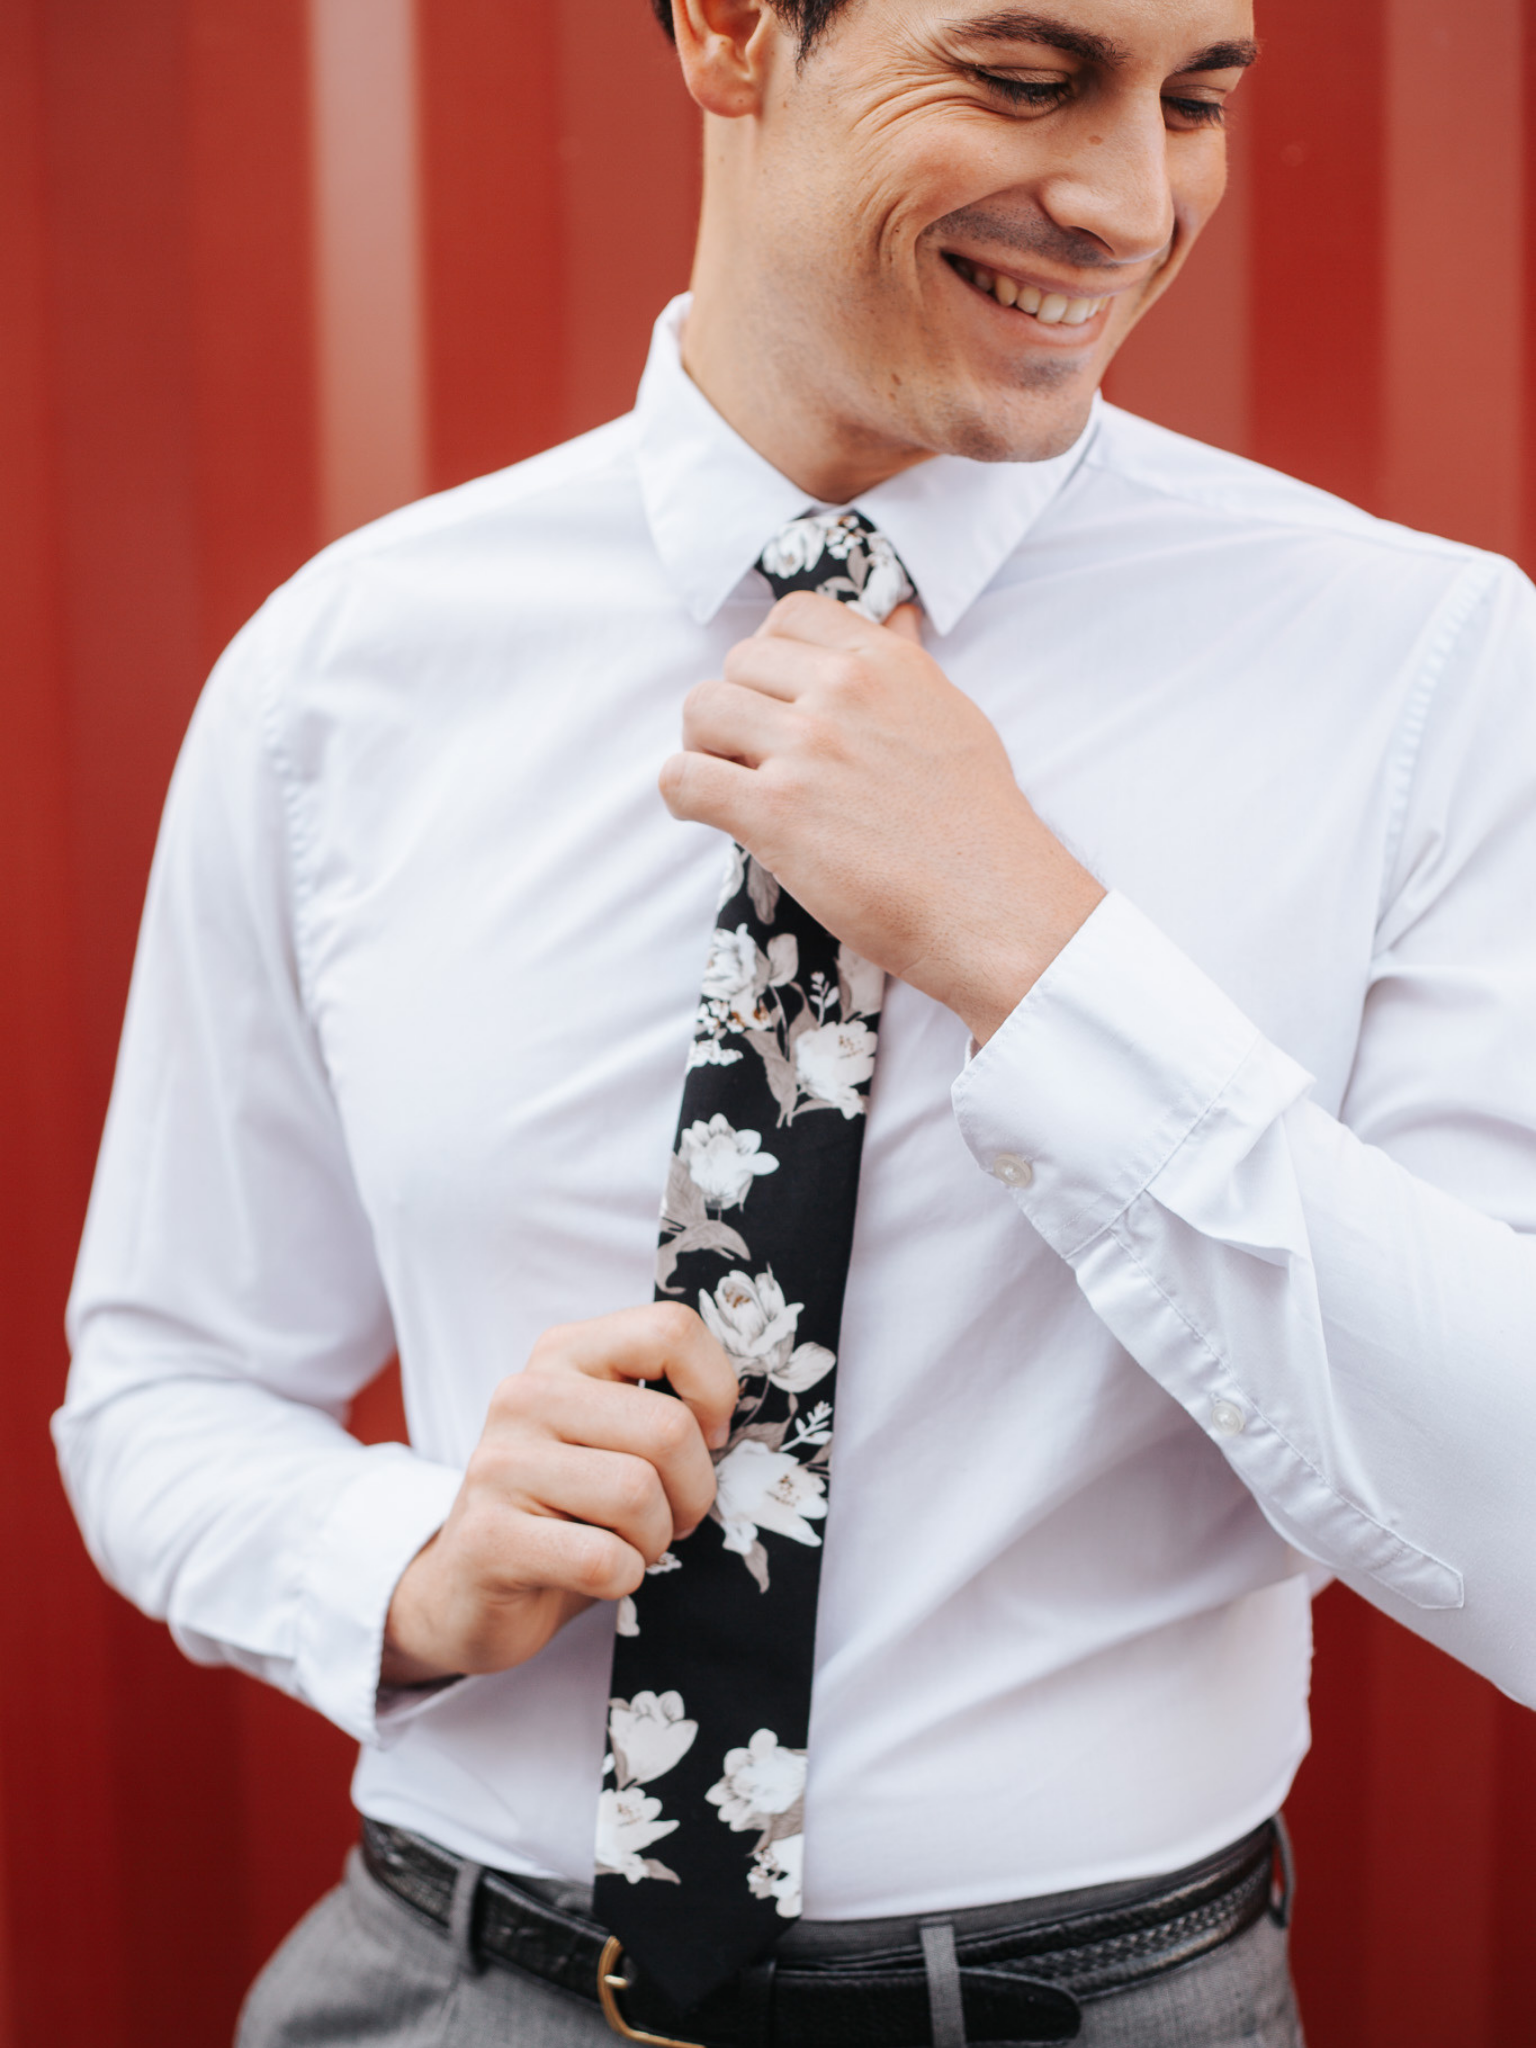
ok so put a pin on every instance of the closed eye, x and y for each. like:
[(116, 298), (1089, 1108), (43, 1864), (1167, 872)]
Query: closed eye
[(1039, 95)]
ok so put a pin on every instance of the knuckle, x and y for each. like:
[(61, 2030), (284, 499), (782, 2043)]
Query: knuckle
[(798, 604), (547, 1353), (490, 1471), (675, 1322), (635, 1488), (509, 1395), (597, 1566), (672, 1429)]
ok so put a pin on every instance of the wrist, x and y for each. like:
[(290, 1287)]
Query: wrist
[(999, 970)]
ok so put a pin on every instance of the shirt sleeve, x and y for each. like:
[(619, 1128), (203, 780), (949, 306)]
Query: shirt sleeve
[(227, 1303), (1346, 1305)]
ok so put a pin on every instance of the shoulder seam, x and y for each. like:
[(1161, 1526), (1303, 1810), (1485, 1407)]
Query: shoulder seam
[(1371, 530)]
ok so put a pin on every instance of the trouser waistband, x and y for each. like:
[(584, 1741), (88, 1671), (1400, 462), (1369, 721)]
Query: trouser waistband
[(1007, 1973)]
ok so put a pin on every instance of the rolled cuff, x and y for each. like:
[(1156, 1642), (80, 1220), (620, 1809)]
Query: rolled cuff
[(377, 1525)]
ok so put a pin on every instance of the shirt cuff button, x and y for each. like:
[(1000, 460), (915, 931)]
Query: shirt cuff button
[(1227, 1419), (1012, 1171)]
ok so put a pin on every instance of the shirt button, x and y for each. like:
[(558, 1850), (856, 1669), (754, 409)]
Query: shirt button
[(1227, 1419), (1013, 1171)]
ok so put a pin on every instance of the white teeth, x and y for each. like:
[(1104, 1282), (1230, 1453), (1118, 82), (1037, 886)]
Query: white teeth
[(1051, 309)]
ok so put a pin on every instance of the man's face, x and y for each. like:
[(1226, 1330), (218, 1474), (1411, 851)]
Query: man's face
[(961, 209)]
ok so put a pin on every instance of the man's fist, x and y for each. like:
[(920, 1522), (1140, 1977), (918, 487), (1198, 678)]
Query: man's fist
[(840, 754), (580, 1480)]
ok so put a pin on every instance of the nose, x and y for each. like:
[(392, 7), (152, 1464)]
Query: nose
[(1112, 181)]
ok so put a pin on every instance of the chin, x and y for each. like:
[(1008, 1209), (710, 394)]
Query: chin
[(1011, 428)]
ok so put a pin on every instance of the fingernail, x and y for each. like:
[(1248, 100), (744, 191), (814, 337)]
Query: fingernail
[(683, 1534), (719, 1436)]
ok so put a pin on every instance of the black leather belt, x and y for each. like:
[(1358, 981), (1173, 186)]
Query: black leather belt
[(1015, 1977)]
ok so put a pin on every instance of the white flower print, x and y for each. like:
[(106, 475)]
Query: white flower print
[(760, 1782), (735, 974), (709, 1052), (832, 1062), (629, 1821), (758, 1488), (806, 1364), (799, 545), (723, 1162), (885, 583), (862, 984), (735, 874), (755, 1326), (776, 1873), (648, 1735)]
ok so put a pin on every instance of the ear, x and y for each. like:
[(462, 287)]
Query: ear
[(728, 49)]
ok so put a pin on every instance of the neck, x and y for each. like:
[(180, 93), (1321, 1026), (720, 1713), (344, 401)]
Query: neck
[(765, 365)]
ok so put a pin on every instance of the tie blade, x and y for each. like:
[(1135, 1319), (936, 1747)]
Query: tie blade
[(681, 1949), (700, 1824)]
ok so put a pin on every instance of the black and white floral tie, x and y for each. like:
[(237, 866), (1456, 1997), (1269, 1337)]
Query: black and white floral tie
[(699, 1842)]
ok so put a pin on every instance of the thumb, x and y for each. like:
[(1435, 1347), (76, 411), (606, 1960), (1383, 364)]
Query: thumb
[(906, 622)]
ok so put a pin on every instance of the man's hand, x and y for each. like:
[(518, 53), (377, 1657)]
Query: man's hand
[(580, 1480), (840, 754)]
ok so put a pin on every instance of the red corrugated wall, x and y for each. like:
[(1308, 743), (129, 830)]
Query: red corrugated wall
[(267, 266)]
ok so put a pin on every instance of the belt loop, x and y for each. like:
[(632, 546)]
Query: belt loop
[(461, 1915), (1280, 1906), (946, 2005)]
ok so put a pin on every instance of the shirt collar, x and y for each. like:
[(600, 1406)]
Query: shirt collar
[(712, 502)]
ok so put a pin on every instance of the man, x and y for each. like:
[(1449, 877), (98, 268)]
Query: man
[(1151, 885)]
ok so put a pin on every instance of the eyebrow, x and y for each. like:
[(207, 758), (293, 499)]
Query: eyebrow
[(1015, 25)]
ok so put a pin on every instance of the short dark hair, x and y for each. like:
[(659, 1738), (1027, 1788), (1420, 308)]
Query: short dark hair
[(810, 17)]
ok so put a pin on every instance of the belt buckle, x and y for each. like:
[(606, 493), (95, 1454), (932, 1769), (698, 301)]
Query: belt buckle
[(609, 1983)]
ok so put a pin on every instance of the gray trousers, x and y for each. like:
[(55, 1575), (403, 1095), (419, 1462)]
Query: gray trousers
[(364, 1971)]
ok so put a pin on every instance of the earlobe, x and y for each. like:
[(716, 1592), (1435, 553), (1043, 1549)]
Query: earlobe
[(726, 49)]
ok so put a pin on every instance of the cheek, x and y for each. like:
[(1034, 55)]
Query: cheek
[(904, 174), (1198, 185)]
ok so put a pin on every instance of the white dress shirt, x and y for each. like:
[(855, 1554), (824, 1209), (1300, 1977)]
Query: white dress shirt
[(1206, 1265)]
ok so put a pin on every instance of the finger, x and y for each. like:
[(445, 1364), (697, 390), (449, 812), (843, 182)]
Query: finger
[(663, 1340), (736, 724), (570, 1557), (781, 667), (708, 791), (818, 621), (610, 1490), (906, 622), (571, 1409)]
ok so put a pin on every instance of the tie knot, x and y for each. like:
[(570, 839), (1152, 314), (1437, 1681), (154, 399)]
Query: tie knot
[(838, 554)]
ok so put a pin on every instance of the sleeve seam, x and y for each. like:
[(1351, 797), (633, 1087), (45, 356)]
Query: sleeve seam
[(296, 842), (1466, 594)]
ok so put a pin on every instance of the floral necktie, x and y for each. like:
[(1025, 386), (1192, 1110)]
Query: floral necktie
[(700, 1837)]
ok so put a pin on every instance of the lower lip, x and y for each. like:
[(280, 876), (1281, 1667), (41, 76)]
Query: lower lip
[(1055, 333)]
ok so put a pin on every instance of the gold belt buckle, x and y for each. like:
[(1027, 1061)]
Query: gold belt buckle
[(609, 1982)]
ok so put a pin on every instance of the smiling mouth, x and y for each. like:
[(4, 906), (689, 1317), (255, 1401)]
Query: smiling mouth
[(1051, 309)]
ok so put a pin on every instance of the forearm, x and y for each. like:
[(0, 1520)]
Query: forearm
[(256, 1526)]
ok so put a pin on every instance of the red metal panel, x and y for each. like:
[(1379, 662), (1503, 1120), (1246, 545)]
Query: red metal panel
[(56, 1823)]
